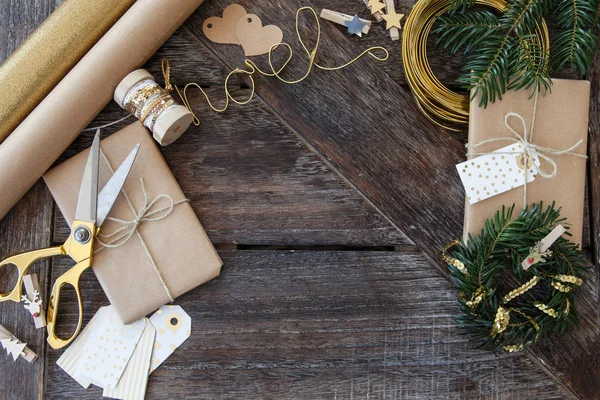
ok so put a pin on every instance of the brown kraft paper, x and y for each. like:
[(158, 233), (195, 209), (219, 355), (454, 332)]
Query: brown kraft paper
[(44, 135), (561, 121), (33, 70), (181, 250)]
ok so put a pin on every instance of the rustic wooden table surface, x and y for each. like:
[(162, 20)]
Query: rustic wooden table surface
[(329, 202)]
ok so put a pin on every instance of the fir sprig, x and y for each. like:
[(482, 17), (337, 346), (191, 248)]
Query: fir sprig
[(509, 55), (492, 270)]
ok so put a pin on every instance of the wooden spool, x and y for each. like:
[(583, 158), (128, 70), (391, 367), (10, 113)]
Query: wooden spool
[(171, 125)]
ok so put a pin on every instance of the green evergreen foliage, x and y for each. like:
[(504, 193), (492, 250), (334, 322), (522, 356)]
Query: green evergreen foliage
[(488, 265), (503, 51)]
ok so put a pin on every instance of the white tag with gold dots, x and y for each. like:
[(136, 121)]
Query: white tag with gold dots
[(498, 172), (173, 327), (109, 349)]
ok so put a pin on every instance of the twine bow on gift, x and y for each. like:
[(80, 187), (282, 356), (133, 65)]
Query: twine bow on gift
[(529, 150), (148, 213), (122, 235)]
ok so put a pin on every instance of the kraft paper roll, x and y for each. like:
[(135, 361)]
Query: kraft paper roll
[(35, 68), (45, 134)]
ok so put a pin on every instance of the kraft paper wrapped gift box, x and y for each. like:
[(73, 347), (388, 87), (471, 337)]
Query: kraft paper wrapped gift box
[(177, 244), (561, 121)]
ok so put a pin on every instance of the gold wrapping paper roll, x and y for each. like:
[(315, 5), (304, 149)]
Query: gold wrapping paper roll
[(35, 68), (45, 134)]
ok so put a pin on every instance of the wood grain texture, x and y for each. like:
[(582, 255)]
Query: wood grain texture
[(325, 325), (250, 179), (284, 171), (401, 163), (26, 227)]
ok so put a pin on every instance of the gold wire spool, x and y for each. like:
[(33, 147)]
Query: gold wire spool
[(436, 101)]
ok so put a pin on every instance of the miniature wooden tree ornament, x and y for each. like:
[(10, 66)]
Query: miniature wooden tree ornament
[(14, 347)]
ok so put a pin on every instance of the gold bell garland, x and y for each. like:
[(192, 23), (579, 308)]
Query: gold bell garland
[(487, 265)]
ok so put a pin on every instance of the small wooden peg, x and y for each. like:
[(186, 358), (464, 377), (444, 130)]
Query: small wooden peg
[(26, 353), (391, 8), (377, 15), (339, 18), (34, 303), (539, 252)]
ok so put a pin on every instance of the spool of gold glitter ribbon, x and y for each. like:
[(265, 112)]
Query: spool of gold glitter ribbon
[(154, 106), (441, 105)]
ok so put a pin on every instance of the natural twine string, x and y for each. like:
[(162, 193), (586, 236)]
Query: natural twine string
[(122, 235), (530, 150), (252, 68)]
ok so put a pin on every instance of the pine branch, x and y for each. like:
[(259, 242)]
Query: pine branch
[(505, 53), (533, 65), (468, 29), (489, 71), (575, 45), (535, 308)]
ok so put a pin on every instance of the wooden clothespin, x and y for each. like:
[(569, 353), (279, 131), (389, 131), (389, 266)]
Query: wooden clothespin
[(14, 347), (375, 14), (391, 16), (341, 18), (539, 252), (33, 300)]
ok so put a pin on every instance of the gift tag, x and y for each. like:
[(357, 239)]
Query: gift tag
[(71, 358), (132, 385), (255, 38), (173, 327), (109, 349), (223, 29), (498, 172)]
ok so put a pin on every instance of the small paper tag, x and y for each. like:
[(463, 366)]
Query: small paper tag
[(109, 349), (498, 172), (72, 358), (133, 383), (173, 327)]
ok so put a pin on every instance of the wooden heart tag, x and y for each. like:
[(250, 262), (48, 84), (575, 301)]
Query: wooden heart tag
[(255, 38), (223, 29)]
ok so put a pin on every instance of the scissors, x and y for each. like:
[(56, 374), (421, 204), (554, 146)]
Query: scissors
[(92, 210)]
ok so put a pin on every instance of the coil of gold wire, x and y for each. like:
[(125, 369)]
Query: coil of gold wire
[(441, 105)]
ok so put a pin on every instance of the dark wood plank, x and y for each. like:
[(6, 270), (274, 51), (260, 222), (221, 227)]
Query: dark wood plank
[(324, 325), (384, 147), (26, 227), (250, 178)]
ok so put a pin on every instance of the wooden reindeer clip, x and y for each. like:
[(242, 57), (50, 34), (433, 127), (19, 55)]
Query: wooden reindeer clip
[(541, 250), (14, 347), (33, 301)]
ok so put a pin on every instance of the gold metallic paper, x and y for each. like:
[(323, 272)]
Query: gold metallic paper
[(35, 68), (49, 129)]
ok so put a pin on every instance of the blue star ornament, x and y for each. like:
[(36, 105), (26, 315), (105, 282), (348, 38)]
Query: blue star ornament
[(355, 26)]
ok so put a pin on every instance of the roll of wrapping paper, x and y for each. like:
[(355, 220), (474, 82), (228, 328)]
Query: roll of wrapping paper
[(43, 136), (35, 68)]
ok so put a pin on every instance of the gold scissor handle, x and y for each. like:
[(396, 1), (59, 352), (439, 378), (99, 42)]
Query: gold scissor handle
[(23, 262), (71, 277)]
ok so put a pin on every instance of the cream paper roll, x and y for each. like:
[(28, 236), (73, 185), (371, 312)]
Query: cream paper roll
[(35, 68), (45, 134)]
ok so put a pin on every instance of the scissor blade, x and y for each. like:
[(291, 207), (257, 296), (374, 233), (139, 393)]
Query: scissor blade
[(88, 192), (111, 190)]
